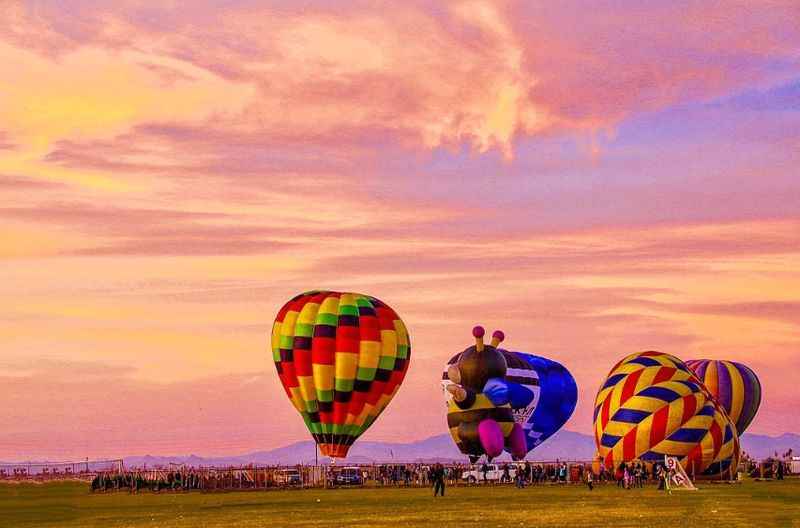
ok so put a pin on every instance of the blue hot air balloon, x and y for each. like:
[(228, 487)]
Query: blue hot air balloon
[(554, 395)]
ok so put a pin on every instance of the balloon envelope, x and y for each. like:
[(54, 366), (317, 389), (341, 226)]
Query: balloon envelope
[(735, 387), (341, 357), (542, 393), (552, 406), (651, 405)]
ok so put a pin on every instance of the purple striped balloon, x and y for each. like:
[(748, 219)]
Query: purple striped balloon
[(735, 387)]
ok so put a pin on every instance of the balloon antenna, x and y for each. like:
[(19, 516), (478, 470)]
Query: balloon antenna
[(497, 338), (477, 333)]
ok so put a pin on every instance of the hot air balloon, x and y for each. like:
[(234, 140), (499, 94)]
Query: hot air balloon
[(651, 405), (733, 385), (341, 357), (541, 392), (477, 424)]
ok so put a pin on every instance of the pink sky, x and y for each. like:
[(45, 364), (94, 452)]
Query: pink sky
[(594, 179)]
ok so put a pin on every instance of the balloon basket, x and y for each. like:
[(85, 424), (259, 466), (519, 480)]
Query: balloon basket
[(334, 450)]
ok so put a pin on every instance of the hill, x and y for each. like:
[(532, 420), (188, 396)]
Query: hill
[(564, 445)]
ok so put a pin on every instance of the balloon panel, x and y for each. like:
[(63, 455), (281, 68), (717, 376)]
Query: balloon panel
[(725, 465), (558, 395), (340, 357)]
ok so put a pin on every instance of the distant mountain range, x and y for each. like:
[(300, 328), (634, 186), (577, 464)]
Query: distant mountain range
[(564, 445)]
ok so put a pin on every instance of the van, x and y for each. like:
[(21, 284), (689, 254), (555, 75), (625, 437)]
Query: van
[(348, 476)]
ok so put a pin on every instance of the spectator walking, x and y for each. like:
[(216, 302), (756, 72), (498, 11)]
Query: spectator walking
[(438, 480)]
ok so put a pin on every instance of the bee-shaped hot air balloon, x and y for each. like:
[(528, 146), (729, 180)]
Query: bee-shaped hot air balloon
[(477, 425), (541, 392), (341, 357)]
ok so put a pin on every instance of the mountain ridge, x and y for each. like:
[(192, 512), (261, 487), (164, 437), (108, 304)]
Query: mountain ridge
[(564, 445)]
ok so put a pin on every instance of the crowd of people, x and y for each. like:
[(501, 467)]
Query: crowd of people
[(635, 474), (380, 475), (406, 475), (151, 481), (42, 473), (206, 479)]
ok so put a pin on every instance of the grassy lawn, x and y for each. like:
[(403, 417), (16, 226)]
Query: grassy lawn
[(71, 505)]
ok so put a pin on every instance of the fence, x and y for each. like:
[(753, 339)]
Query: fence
[(85, 469), (180, 478)]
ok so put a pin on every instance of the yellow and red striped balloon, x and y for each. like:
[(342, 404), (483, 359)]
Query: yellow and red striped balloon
[(725, 464), (650, 405), (341, 357)]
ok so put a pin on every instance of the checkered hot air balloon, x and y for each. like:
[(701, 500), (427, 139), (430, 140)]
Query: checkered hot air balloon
[(341, 357), (733, 385), (651, 405)]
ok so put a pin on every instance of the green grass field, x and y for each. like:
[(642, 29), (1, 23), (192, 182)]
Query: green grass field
[(71, 505)]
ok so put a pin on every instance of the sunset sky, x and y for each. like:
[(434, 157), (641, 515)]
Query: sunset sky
[(593, 178)]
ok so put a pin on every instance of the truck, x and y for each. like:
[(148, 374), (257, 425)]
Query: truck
[(494, 473)]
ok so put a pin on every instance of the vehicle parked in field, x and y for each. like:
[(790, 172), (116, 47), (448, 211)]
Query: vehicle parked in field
[(348, 476), (288, 477), (493, 473)]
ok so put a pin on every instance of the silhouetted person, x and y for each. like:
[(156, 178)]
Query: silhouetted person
[(438, 480)]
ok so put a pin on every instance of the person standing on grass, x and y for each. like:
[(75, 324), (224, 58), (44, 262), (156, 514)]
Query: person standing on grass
[(506, 474), (519, 477), (485, 471), (590, 479), (666, 475), (438, 480)]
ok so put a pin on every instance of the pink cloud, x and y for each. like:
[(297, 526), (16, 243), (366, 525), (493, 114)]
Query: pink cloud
[(483, 75), (780, 311), (623, 60)]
